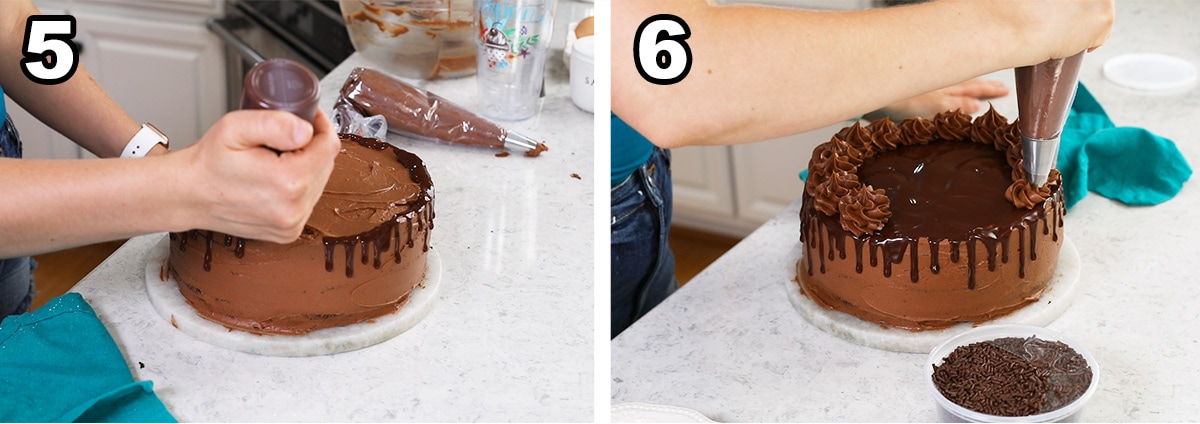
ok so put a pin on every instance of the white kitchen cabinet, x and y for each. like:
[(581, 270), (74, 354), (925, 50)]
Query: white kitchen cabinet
[(187, 9), (702, 183), (807, 4), (156, 60), (38, 140), (167, 73), (731, 190)]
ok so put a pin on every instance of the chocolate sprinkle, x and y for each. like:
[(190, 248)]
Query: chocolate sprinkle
[(1013, 376)]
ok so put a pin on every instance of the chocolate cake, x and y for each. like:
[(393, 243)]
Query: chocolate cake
[(360, 255), (927, 224)]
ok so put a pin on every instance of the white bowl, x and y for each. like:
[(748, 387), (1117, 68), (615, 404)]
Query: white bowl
[(949, 411)]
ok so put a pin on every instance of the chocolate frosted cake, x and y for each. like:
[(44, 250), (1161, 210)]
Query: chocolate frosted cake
[(361, 253), (927, 224)]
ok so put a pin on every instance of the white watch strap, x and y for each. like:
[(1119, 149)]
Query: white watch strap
[(145, 139)]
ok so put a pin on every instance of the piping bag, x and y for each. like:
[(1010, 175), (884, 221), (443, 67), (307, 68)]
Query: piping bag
[(370, 97), (1044, 95)]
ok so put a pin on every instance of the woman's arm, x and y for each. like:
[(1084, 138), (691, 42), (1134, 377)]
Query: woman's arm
[(226, 182), (77, 108), (764, 72)]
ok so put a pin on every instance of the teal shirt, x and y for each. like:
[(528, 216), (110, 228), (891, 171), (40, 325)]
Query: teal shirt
[(3, 109), (629, 150)]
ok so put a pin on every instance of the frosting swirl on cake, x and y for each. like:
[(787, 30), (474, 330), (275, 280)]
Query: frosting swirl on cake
[(1024, 195), (864, 210)]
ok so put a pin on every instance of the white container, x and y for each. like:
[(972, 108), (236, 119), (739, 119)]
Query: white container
[(583, 73), (949, 411)]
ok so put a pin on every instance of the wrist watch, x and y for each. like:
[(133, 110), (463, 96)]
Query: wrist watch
[(145, 139)]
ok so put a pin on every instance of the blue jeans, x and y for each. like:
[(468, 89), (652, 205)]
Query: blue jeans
[(16, 274), (16, 285), (643, 268)]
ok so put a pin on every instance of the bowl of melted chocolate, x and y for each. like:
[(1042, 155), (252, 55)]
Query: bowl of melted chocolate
[(1011, 373)]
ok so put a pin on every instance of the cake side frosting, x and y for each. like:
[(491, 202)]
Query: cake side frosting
[(928, 223), (359, 256)]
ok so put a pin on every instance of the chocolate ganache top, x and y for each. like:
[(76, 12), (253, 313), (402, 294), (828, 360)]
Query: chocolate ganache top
[(369, 185), (836, 179)]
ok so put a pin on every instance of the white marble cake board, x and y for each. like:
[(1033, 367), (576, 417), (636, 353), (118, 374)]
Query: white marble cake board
[(1058, 295), (172, 306)]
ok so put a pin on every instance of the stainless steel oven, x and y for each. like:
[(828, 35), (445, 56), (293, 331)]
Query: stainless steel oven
[(310, 32)]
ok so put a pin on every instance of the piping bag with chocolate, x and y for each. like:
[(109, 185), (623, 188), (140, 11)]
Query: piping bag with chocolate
[(416, 113), (1044, 94)]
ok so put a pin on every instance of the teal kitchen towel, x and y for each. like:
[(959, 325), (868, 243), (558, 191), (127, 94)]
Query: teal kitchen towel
[(59, 364), (1128, 164)]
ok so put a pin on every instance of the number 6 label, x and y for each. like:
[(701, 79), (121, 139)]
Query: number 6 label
[(659, 50), (48, 42)]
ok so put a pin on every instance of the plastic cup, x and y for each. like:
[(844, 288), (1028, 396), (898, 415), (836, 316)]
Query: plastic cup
[(949, 411), (511, 50)]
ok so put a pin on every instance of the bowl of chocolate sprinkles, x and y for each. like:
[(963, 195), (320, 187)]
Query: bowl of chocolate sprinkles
[(1011, 373)]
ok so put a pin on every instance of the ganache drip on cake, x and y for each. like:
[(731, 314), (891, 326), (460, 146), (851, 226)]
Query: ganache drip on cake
[(183, 237), (417, 215), (842, 201)]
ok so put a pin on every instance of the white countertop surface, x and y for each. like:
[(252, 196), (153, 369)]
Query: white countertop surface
[(730, 345), (510, 339)]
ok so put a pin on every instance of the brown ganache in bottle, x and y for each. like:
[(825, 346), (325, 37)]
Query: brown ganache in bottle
[(282, 84), (928, 223)]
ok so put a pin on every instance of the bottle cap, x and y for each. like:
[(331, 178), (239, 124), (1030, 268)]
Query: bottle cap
[(281, 84)]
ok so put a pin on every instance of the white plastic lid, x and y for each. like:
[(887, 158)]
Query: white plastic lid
[(584, 49), (1150, 71), (638, 412)]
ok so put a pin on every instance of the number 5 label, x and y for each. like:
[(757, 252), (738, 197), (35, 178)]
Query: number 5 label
[(48, 42), (659, 50)]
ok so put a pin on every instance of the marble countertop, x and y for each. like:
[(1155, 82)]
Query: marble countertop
[(510, 338), (730, 345)]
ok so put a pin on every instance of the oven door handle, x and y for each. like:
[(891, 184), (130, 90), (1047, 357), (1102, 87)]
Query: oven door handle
[(223, 32)]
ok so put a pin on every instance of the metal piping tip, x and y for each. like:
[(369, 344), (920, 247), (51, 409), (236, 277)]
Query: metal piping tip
[(1041, 156), (1040, 179), (519, 143)]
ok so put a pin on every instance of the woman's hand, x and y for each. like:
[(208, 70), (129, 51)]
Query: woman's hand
[(967, 97), (1054, 29), (242, 184)]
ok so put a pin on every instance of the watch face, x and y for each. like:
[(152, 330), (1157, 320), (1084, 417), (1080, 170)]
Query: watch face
[(143, 141), (161, 136)]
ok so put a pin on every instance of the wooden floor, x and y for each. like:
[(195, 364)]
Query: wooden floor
[(58, 272), (695, 250)]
